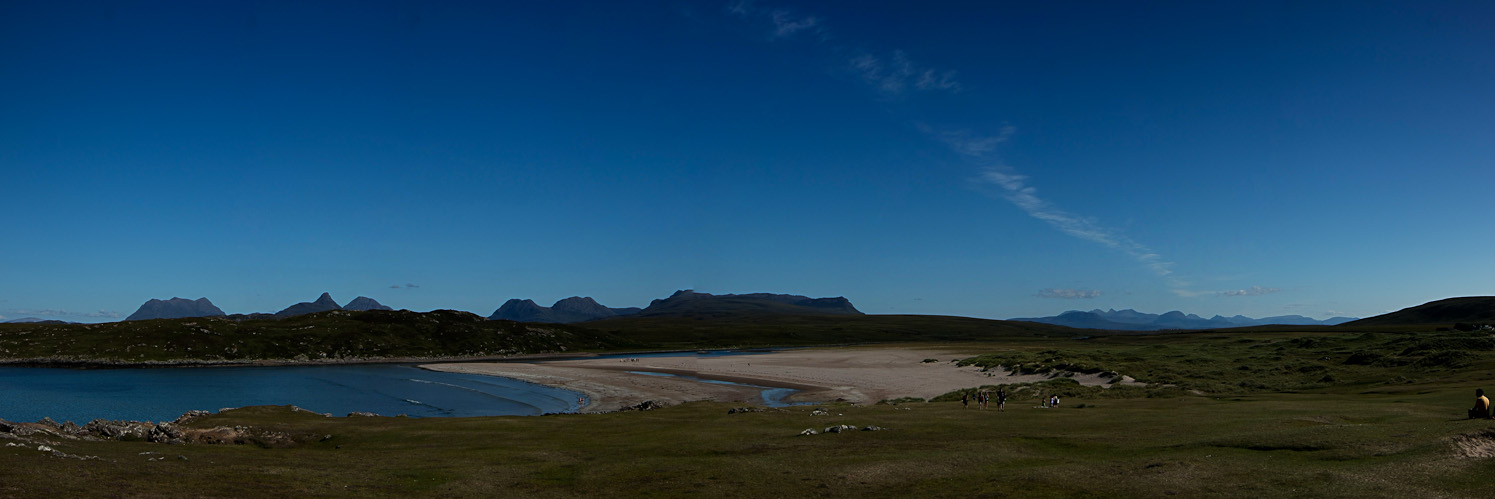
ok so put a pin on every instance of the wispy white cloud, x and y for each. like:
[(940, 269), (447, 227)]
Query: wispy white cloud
[(1069, 294), (740, 8), (1014, 188), (931, 80), (1251, 291), (786, 24), (891, 75), (52, 312), (1230, 293), (967, 143), (894, 74)]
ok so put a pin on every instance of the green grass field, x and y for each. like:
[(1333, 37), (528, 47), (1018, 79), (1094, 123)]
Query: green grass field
[(1270, 413)]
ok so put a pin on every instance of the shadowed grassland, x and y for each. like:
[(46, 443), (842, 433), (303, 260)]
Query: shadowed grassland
[(1374, 445), (1240, 362)]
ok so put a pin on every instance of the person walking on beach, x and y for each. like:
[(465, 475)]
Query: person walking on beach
[(1001, 399), (965, 400), (982, 398)]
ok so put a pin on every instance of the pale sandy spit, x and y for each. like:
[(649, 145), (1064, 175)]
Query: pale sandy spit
[(860, 375)]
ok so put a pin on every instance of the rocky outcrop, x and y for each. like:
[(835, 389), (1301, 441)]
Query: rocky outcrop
[(175, 308), (173, 432), (365, 303), (647, 405), (323, 304), (839, 429)]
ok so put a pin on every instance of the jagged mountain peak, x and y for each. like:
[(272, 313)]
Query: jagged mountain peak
[(322, 304)]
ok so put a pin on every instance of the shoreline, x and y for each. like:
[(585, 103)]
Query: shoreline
[(64, 363), (859, 375)]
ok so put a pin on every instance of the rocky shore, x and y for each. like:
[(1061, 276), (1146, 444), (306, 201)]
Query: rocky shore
[(46, 434)]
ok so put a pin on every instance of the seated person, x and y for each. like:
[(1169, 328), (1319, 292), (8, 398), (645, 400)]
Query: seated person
[(1481, 408)]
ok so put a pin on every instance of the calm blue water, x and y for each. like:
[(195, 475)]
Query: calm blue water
[(31, 393)]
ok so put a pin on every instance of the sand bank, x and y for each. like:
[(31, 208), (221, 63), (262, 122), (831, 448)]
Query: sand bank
[(861, 375)]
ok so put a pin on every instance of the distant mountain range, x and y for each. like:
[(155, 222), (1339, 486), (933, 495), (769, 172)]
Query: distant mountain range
[(681, 303), (177, 308), (1469, 309), (565, 311), (690, 304), (34, 320), (1132, 320)]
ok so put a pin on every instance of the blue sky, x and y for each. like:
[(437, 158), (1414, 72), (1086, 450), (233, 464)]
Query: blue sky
[(985, 159)]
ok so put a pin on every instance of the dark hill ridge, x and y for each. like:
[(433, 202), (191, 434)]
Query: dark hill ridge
[(175, 308), (751, 330), (323, 304), (1132, 320), (323, 336), (690, 303), (1451, 310), (566, 311), (34, 320)]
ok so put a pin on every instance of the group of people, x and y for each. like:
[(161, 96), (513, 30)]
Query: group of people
[(982, 397)]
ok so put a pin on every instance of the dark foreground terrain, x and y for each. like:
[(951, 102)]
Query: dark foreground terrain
[(1267, 413)]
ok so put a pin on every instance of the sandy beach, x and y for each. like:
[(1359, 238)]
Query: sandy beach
[(862, 375)]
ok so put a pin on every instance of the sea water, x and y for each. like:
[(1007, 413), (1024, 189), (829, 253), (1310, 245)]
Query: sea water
[(163, 394)]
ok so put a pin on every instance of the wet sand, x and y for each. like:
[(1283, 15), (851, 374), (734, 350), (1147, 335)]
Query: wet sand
[(862, 375)]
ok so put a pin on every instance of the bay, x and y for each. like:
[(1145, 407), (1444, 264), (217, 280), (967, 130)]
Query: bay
[(163, 394)]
